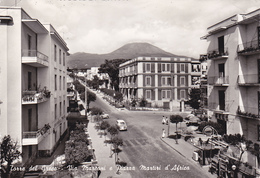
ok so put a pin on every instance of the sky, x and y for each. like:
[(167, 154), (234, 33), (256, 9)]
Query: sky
[(102, 26)]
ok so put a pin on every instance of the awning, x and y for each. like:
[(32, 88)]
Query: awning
[(35, 25)]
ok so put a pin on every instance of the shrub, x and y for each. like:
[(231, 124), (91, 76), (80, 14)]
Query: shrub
[(96, 111)]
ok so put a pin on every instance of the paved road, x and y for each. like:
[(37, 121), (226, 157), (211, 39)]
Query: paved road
[(143, 150)]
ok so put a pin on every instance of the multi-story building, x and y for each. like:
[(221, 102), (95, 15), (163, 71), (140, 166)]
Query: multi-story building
[(233, 74), (195, 73), (162, 81), (93, 71), (33, 83)]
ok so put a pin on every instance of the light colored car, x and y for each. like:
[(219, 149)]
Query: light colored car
[(121, 124), (105, 116)]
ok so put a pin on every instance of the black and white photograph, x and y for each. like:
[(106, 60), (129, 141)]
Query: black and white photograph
[(130, 89)]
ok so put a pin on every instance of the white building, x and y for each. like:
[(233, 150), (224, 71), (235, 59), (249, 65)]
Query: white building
[(33, 83)]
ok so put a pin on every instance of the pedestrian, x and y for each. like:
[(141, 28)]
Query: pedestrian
[(166, 121), (163, 120), (163, 133)]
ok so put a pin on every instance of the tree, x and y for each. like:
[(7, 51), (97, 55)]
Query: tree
[(104, 126), (96, 111), (9, 153), (142, 102), (111, 67), (176, 119), (91, 97), (195, 98), (113, 130)]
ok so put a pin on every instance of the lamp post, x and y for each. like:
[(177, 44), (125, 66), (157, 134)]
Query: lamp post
[(86, 96)]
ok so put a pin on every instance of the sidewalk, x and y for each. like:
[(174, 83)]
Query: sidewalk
[(102, 152), (186, 150)]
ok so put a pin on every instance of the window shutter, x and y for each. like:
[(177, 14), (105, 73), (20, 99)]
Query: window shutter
[(144, 80), (159, 80), (153, 80), (159, 94), (178, 68), (172, 68), (159, 68), (152, 67), (178, 81), (178, 94), (153, 95), (186, 68), (173, 94), (143, 67), (187, 80)]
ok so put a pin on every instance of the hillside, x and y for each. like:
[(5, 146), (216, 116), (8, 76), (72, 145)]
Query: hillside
[(86, 60)]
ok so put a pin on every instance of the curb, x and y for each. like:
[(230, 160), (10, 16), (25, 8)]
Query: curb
[(173, 148)]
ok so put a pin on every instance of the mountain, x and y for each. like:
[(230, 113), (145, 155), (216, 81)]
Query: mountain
[(86, 60)]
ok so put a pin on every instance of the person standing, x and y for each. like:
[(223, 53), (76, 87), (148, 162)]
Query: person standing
[(163, 120), (163, 133)]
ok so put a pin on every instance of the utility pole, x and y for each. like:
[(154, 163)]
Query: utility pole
[(86, 96)]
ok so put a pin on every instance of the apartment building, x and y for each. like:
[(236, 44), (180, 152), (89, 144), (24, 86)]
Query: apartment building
[(33, 83), (233, 74), (196, 73), (162, 81)]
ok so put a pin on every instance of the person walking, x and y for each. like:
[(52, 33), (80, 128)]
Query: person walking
[(163, 133), (163, 120)]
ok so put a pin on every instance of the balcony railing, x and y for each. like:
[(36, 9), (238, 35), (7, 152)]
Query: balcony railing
[(218, 81), (217, 107), (35, 137), (34, 53), (35, 58), (217, 54), (248, 112), (248, 48), (248, 80), (34, 97)]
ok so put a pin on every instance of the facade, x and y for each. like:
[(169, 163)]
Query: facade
[(33, 83), (195, 73), (162, 81), (233, 74)]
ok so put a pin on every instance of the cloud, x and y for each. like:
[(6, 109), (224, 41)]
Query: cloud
[(102, 26)]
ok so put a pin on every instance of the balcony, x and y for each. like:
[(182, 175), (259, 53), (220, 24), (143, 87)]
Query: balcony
[(248, 112), (249, 48), (248, 80), (34, 58), (219, 109), (218, 54), (218, 81), (35, 137), (34, 97)]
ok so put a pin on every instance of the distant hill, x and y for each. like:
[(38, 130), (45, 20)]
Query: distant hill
[(86, 60)]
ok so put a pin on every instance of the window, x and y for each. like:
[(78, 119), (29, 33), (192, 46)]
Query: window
[(60, 108), (29, 81), (60, 82), (55, 82), (166, 94), (64, 106), (183, 96), (165, 67), (55, 111), (148, 67), (148, 80), (63, 83), (63, 59), (55, 53), (182, 79), (29, 43), (182, 67), (166, 80), (60, 56), (221, 45), (148, 94)]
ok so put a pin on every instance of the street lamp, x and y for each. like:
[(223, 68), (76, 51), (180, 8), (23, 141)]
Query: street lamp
[(86, 96)]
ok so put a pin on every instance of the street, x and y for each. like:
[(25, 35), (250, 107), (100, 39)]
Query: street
[(144, 152)]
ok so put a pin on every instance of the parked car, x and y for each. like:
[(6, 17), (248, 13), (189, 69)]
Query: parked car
[(105, 116), (121, 125), (192, 120)]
